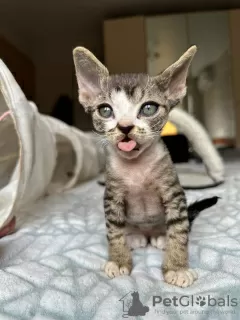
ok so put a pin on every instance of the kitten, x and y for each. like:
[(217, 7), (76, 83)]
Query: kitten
[(143, 198)]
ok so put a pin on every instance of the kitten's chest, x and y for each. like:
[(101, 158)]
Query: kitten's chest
[(143, 203), (137, 178)]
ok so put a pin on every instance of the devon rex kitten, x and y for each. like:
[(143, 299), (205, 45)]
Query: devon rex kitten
[(143, 198)]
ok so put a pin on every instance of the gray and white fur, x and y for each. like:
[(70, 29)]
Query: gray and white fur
[(143, 199)]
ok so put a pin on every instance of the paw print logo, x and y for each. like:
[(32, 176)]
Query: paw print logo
[(201, 301)]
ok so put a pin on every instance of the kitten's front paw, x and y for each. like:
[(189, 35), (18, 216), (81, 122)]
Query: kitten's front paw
[(158, 242), (135, 241), (112, 269), (181, 278)]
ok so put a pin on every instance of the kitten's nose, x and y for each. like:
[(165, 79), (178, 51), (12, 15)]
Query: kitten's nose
[(125, 129)]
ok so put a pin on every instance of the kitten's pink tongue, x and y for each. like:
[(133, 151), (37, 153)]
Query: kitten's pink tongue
[(127, 146)]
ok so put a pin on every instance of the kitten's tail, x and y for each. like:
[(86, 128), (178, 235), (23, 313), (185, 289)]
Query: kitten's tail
[(195, 208)]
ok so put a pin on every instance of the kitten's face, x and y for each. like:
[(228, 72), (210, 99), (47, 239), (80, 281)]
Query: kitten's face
[(131, 109)]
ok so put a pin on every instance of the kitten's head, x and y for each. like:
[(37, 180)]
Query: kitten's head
[(129, 109)]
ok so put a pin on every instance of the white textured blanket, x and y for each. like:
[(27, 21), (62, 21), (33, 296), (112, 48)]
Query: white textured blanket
[(51, 267)]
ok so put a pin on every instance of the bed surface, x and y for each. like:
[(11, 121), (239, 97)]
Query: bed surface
[(51, 267)]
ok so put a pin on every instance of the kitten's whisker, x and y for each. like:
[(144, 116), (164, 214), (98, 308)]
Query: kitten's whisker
[(104, 142), (149, 135), (156, 124), (98, 134)]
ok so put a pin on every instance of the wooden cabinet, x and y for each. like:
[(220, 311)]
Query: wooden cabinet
[(234, 27), (150, 44), (124, 44)]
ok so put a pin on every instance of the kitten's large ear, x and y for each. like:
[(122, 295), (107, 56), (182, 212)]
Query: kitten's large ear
[(173, 79), (90, 74)]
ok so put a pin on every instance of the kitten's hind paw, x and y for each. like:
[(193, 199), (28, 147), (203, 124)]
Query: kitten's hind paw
[(135, 241), (113, 270), (181, 278), (158, 242)]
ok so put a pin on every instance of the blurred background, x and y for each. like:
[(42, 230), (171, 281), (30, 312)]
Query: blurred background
[(37, 39)]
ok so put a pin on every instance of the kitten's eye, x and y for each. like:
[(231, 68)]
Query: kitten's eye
[(105, 110), (149, 109)]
